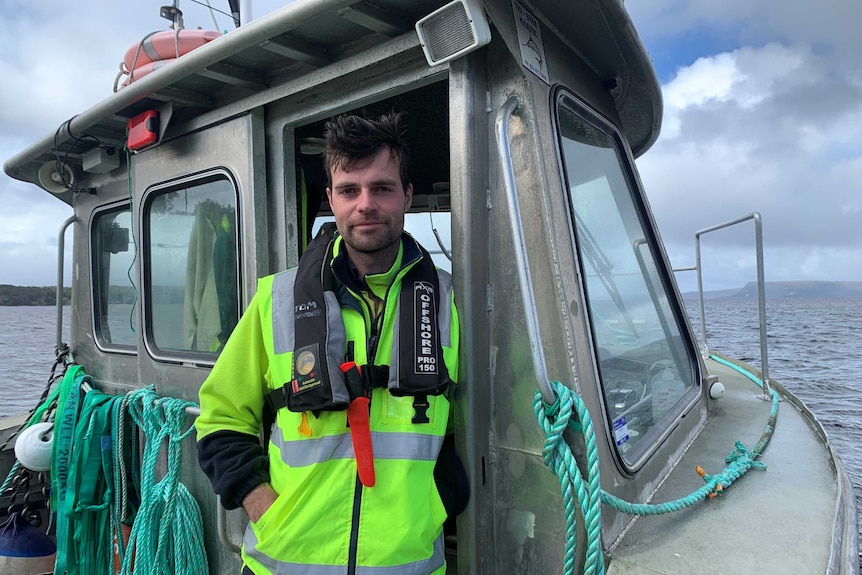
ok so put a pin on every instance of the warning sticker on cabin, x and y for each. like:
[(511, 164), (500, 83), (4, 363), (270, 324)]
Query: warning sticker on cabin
[(530, 40), (621, 431)]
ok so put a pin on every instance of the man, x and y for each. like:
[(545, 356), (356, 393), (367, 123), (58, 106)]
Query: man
[(354, 354)]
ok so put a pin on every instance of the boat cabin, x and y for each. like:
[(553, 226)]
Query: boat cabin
[(193, 181)]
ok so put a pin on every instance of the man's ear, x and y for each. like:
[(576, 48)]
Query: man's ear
[(329, 196), (408, 197)]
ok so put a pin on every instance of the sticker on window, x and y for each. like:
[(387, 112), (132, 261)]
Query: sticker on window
[(621, 431)]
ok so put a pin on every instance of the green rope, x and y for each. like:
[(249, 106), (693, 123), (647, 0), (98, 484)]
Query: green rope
[(167, 533), (554, 420), (557, 417)]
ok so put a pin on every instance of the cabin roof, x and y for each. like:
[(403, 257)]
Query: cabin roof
[(244, 69)]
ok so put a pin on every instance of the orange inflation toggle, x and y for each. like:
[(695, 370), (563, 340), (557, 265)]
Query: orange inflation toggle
[(360, 431)]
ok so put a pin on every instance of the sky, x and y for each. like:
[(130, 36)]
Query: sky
[(762, 113)]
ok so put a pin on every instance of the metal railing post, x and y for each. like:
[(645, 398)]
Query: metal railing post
[(761, 291), (61, 249)]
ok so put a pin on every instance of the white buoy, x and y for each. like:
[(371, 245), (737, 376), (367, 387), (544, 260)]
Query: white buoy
[(716, 390), (33, 446)]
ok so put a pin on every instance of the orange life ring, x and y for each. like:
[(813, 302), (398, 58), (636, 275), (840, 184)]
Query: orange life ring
[(165, 45), (142, 71)]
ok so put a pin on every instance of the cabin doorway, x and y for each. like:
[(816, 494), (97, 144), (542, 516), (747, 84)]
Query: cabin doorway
[(426, 116)]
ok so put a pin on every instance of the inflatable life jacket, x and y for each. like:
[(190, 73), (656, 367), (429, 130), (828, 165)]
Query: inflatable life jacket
[(418, 368)]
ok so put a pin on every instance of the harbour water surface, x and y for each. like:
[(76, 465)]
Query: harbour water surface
[(813, 351)]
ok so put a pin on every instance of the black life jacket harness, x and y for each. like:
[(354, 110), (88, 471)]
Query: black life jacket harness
[(318, 385)]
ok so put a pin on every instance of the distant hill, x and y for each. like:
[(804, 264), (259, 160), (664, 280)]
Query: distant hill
[(32, 295), (791, 289), (46, 295)]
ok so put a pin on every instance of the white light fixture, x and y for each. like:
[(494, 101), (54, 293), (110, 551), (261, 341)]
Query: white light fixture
[(456, 29)]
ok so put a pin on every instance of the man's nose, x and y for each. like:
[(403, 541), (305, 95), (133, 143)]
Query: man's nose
[(365, 200)]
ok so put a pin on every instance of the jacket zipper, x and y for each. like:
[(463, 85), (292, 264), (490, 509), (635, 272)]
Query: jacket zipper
[(370, 353), (354, 527), (370, 356)]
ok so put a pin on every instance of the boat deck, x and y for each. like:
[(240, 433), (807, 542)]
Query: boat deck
[(787, 511)]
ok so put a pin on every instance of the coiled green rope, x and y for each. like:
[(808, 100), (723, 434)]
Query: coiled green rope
[(166, 536), (557, 455), (557, 417)]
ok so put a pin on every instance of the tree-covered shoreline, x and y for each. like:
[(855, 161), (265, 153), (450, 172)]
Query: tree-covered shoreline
[(32, 295)]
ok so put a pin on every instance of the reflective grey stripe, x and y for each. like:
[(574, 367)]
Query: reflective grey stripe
[(147, 47), (304, 452), (336, 344), (282, 311), (422, 567), (283, 340), (395, 355), (249, 546), (444, 314)]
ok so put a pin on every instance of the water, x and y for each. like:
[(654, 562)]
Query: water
[(813, 352), (27, 338)]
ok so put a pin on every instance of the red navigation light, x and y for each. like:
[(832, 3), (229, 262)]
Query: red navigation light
[(143, 130)]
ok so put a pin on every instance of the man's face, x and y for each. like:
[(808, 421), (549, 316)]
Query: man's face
[(369, 202)]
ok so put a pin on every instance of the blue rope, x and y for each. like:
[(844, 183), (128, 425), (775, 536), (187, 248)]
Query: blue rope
[(587, 494)]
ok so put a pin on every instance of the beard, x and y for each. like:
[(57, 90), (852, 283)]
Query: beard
[(377, 239)]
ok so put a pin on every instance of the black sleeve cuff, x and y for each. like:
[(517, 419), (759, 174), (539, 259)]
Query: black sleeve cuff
[(451, 479), (235, 463)]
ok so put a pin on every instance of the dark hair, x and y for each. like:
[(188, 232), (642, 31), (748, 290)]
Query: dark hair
[(351, 139)]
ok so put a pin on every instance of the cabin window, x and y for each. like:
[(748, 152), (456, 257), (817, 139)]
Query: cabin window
[(646, 369), (191, 268), (113, 292)]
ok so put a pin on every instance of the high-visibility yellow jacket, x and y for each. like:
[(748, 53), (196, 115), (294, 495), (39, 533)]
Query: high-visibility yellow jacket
[(325, 521)]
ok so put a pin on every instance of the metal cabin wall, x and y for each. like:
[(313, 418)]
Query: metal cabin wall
[(527, 520), (567, 69), (471, 136), (113, 372), (516, 499), (236, 145)]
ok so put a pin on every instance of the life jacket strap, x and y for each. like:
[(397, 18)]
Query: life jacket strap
[(366, 378)]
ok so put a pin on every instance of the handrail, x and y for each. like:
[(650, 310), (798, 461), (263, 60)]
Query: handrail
[(221, 528), (61, 252), (761, 290), (509, 108)]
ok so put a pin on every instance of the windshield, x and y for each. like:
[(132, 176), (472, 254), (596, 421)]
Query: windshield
[(645, 369)]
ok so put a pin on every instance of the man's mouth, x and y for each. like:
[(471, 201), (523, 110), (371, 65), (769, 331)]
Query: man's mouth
[(367, 225)]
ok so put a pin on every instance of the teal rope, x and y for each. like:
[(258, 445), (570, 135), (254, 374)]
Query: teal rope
[(120, 504), (167, 535), (554, 420), (557, 417), (773, 413)]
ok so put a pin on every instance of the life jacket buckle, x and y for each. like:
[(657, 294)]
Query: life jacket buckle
[(420, 406)]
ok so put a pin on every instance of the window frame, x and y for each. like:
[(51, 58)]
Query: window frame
[(96, 287), (203, 177), (628, 464)]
